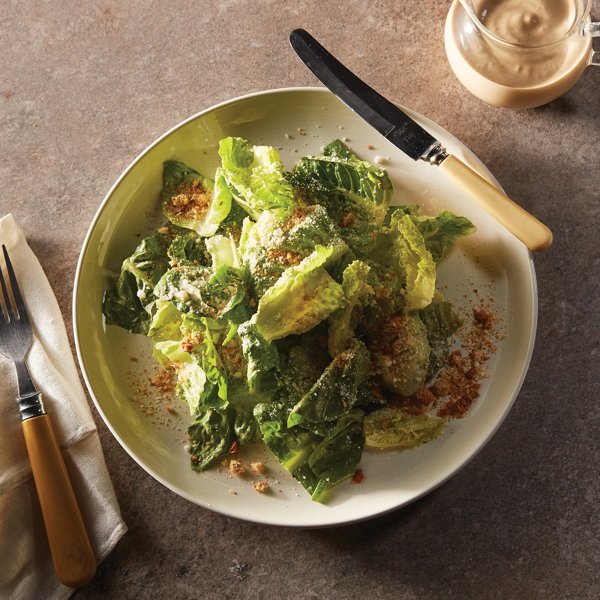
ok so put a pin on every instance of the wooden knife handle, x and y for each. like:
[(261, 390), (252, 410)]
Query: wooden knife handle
[(524, 226), (72, 553)]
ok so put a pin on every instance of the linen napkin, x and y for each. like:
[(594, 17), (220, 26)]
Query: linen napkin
[(27, 570)]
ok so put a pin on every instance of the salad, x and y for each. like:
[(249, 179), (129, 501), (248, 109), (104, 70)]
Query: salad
[(292, 307)]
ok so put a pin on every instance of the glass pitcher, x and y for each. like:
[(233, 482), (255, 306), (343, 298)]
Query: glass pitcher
[(520, 53)]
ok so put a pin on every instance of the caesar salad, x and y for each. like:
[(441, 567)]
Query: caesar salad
[(293, 308)]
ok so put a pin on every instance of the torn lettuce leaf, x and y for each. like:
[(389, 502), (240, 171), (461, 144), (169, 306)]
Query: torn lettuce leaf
[(291, 446), (223, 252), (187, 247), (317, 462), (211, 435), (193, 201), (395, 428), (400, 351), (440, 232), (261, 355), (336, 390), (441, 322), (166, 322), (355, 194), (300, 368), (301, 298), (400, 250), (216, 294), (387, 297), (356, 293), (277, 241), (214, 429), (255, 176), (193, 387), (338, 169), (128, 303), (338, 454), (242, 403), (415, 262)]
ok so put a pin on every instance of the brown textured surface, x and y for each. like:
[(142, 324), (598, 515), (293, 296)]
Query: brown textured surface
[(85, 86)]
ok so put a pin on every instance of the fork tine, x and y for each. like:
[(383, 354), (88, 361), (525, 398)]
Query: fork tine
[(21, 309), (4, 299)]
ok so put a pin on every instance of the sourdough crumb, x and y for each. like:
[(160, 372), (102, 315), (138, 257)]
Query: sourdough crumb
[(258, 467), (236, 467), (260, 486)]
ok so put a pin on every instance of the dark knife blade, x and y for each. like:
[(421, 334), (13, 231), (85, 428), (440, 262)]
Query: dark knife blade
[(379, 112)]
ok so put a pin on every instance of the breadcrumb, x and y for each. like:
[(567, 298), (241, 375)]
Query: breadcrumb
[(236, 467), (260, 486), (258, 467)]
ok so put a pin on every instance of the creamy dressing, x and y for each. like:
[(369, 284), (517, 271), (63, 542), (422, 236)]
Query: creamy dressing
[(528, 21), (505, 75)]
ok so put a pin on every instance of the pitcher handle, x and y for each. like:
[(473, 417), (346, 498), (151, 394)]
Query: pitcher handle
[(591, 29)]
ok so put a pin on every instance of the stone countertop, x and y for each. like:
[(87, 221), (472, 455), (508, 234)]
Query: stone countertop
[(86, 86)]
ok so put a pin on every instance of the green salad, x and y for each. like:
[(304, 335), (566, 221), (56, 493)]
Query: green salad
[(292, 307)]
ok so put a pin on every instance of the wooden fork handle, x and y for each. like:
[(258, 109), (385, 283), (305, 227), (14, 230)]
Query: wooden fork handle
[(72, 553)]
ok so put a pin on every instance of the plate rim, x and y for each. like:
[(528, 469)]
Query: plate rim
[(480, 166)]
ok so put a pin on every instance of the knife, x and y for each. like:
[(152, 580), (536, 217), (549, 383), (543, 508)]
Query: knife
[(402, 131)]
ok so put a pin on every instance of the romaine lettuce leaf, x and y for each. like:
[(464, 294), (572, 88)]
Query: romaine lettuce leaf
[(128, 303), (255, 176), (414, 260), (336, 390), (193, 201), (441, 322), (278, 241), (337, 149), (291, 447), (300, 299), (338, 455), (201, 376), (219, 294), (202, 343), (338, 169), (355, 193), (170, 353), (394, 428), (301, 366), (231, 226), (187, 247), (213, 430), (261, 355), (356, 292), (242, 403), (211, 435), (387, 298), (439, 232), (166, 322), (192, 386), (223, 251), (400, 352), (318, 462)]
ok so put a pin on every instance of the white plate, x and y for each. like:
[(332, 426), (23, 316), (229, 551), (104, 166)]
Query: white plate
[(299, 121)]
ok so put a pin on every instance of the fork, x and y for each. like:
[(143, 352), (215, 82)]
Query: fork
[(72, 554)]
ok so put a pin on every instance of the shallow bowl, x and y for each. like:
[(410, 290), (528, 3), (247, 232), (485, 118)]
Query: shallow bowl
[(116, 365)]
